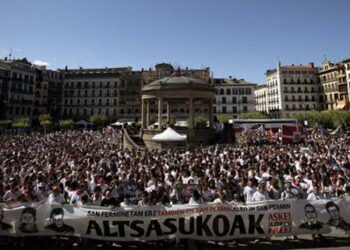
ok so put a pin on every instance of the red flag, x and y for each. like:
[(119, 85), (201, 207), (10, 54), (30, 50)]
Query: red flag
[(110, 130), (292, 134), (271, 135)]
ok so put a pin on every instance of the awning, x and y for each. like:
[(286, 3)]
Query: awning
[(169, 135)]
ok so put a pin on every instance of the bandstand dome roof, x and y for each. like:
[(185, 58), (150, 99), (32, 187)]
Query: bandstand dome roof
[(174, 80)]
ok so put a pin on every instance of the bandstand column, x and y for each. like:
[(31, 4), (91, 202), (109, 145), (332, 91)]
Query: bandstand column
[(143, 113), (210, 109), (147, 113), (160, 112), (168, 109), (190, 113)]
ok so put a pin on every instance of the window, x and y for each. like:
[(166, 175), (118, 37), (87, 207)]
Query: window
[(234, 91), (244, 99), (224, 109), (100, 102), (245, 108), (223, 99), (248, 91), (228, 91), (241, 91), (234, 99), (234, 109), (221, 91)]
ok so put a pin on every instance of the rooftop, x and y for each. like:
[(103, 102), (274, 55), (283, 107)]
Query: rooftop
[(176, 79)]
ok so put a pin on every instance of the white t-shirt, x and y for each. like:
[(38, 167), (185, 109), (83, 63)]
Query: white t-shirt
[(248, 193), (258, 196), (56, 199)]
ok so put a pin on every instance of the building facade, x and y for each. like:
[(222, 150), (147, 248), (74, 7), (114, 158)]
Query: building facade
[(334, 78), (233, 96), (347, 73), (292, 88), (114, 92), (260, 94), (18, 88)]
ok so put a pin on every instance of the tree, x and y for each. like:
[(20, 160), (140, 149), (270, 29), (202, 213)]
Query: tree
[(200, 121), (45, 121), (254, 115), (223, 118), (5, 123), (67, 124), (98, 120), (326, 118), (21, 123)]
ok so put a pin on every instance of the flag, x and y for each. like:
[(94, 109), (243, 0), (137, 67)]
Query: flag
[(109, 130), (260, 130), (271, 135), (292, 134)]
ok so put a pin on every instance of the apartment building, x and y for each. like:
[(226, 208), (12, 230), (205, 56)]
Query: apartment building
[(18, 87), (233, 96), (334, 78), (114, 92), (292, 88), (260, 94)]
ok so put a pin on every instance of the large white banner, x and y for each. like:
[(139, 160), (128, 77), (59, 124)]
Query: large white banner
[(200, 222)]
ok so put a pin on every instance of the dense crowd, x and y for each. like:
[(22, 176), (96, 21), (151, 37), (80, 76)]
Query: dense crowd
[(90, 167)]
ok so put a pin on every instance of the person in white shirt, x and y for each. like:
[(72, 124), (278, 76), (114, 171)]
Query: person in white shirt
[(220, 199), (249, 190), (315, 194), (261, 194), (196, 198), (56, 196)]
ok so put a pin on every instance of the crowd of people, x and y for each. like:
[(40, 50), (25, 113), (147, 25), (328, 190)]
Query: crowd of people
[(88, 167)]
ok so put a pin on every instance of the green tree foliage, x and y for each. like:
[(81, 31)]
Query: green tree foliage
[(98, 120), (5, 123), (224, 118), (21, 123), (67, 124), (45, 121), (326, 118), (254, 115), (200, 121)]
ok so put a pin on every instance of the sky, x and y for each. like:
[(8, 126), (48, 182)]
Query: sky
[(238, 38)]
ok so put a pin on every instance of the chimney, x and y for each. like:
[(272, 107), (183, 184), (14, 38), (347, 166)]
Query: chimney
[(311, 65), (5, 58), (66, 68)]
